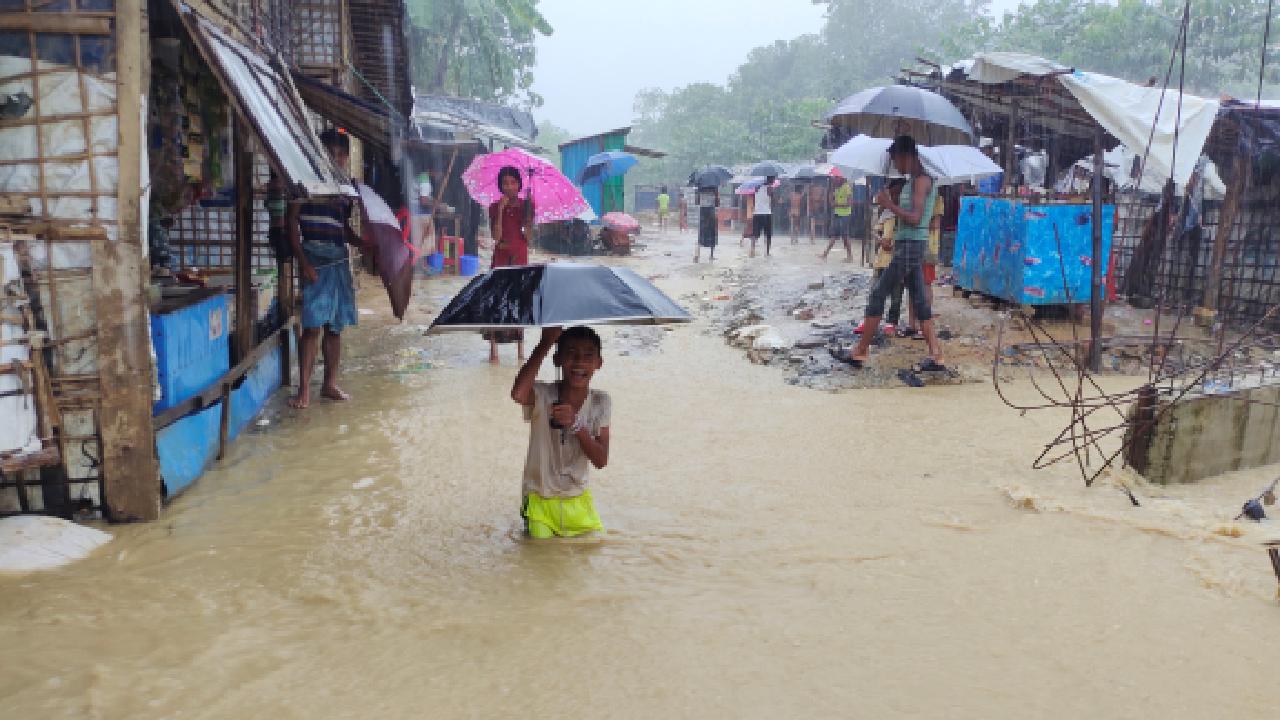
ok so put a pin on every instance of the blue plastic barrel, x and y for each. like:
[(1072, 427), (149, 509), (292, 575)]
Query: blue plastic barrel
[(435, 261), (468, 265)]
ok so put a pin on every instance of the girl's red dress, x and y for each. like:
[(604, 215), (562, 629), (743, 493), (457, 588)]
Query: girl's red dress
[(514, 249)]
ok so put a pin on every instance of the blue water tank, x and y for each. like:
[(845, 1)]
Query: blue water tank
[(468, 265)]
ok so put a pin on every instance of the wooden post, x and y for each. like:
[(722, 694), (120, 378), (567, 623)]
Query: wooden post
[(245, 318), (1011, 154), (224, 419), (1240, 172), (1096, 291), (130, 471)]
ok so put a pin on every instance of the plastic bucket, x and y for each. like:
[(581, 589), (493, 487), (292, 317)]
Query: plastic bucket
[(435, 262), (468, 265)]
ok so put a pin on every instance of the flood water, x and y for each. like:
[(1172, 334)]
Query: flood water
[(772, 552)]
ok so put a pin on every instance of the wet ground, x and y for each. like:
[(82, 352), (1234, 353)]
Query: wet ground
[(772, 552)]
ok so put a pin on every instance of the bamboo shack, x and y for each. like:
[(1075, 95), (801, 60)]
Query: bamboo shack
[(147, 316)]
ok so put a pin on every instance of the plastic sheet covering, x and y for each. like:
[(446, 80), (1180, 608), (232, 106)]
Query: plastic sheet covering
[(1127, 111), (558, 295), (17, 408), (60, 147), (994, 68), (275, 110)]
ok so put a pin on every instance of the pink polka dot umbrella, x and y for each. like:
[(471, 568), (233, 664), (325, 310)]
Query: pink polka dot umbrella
[(555, 198)]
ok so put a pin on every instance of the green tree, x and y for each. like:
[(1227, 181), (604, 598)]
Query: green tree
[(476, 48), (1134, 39), (550, 136)]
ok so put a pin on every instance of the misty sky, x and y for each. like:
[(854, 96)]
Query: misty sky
[(603, 51)]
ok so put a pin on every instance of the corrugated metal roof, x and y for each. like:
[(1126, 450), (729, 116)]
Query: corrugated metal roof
[(271, 106)]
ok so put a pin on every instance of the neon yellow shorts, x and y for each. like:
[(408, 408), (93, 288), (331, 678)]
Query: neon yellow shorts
[(560, 517)]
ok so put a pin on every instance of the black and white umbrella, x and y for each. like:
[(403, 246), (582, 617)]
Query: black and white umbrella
[(557, 295), (886, 112)]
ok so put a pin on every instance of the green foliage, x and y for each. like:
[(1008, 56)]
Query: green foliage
[(550, 136), (767, 108), (1134, 39), (476, 48)]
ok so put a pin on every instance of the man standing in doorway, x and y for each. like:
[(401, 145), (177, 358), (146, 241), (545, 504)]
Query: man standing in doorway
[(319, 231)]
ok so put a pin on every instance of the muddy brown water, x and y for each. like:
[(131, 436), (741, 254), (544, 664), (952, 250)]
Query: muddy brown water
[(772, 552)]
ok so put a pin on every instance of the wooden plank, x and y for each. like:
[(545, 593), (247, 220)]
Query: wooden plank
[(130, 472), (64, 22), (1243, 166), (211, 394)]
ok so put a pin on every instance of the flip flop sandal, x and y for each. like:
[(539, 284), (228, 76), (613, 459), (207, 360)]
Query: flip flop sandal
[(844, 358), (909, 378), (929, 365)]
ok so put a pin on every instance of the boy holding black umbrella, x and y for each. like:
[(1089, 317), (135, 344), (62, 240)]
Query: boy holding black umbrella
[(568, 434)]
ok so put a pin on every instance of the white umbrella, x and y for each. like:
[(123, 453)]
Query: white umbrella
[(954, 164), (864, 155), (947, 164)]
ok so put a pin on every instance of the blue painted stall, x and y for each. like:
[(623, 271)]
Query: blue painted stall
[(189, 446), (1009, 249), (192, 346)]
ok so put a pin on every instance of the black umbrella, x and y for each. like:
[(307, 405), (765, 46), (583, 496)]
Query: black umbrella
[(805, 172), (711, 176), (557, 295), (887, 112), (768, 168)]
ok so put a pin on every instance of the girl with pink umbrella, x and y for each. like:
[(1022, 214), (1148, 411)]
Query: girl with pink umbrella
[(510, 223)]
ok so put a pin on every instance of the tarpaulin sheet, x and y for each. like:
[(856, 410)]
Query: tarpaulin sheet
[(1124, 109), (1128, 111), (995, 68)]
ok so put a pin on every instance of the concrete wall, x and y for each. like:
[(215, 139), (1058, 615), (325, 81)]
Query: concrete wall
[(1204, 436)]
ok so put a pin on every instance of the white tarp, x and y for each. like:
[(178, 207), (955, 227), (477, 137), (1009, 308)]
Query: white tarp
[(1128, 111), (1124, 109), (994, 68)]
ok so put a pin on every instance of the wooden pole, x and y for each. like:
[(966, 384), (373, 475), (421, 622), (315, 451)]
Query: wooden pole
[(245, 316), (1011, 153), (130, 471), (1240, 171), (1096, 291)]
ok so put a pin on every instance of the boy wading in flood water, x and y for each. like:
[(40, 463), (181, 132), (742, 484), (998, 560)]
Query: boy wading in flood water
[(568, 434)]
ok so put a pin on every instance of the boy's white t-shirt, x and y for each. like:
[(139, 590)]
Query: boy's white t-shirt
[(556, 465)]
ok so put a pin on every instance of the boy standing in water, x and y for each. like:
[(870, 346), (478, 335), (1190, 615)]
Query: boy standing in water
[(568, 434)]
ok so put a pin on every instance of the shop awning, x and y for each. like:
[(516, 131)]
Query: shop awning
[(443, 120), (270, 104), (374, 123), (442, 129)]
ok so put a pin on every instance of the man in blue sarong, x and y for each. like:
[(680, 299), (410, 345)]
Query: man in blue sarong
[(319, 232)]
